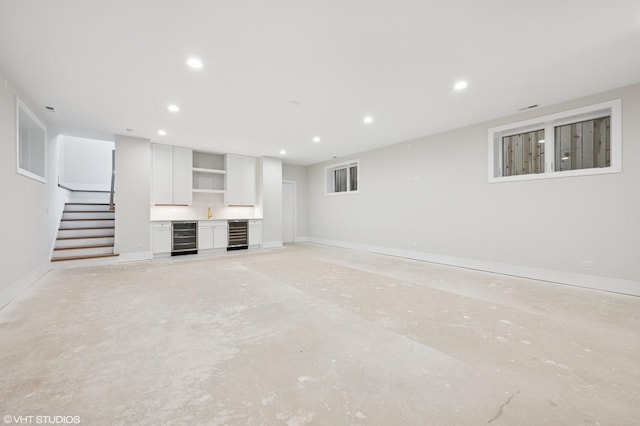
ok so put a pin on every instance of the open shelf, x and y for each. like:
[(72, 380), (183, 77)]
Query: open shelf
[(212, 171), (209, 191), (208, 173)]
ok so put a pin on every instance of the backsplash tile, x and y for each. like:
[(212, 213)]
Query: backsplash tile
[(198, 210)]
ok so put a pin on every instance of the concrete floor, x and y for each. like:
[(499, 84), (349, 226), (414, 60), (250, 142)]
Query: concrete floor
[(309, 334)]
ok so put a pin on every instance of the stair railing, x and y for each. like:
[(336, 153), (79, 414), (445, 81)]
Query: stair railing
[(113, 178)]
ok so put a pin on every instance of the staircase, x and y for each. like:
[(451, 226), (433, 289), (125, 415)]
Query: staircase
[(86, 232)]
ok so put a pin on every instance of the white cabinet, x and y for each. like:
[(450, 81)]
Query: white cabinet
[(205, 235), (182, 175), (255, 232), (161, 237), (240, 182), (212, 234), (220, 235), (172, 178)]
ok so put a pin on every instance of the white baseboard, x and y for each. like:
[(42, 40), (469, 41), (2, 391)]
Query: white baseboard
[(135, 256), (20, 285), (594, 282), (271, 244), (301, 239)]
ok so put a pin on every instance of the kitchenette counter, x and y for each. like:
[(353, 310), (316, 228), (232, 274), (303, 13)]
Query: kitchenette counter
[(213, 219), (209, 234)]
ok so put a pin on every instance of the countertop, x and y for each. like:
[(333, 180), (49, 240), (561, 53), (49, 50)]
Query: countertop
[(206, 220)]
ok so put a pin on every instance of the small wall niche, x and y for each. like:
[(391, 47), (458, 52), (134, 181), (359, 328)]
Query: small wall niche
[(208, 172), (31, 144)]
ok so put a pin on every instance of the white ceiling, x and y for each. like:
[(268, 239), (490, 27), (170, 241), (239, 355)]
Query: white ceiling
[(111, 65)]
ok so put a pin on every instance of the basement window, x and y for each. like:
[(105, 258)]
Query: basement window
[(583, 141), (31, 144), (342, 178)]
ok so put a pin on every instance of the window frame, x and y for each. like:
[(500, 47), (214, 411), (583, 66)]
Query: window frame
[(21, 107), (611, 108), (329, 177)]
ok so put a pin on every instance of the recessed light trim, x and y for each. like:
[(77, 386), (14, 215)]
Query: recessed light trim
[(316, 139), (460, 85), (283, 152), (173, 108), (367, 120), (194, 63), (162, 132)]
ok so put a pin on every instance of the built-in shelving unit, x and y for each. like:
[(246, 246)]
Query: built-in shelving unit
[(208, 173)]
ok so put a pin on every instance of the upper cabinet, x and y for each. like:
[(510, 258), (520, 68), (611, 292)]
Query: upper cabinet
[(240, 182), (172, 175)]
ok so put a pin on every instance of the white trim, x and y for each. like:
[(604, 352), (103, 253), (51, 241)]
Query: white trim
[(303, 239), (272, 244), (594, 282), (612, 108), (135, 256), (22, 284)]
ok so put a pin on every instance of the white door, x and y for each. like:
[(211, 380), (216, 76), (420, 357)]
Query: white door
[(288, 212)]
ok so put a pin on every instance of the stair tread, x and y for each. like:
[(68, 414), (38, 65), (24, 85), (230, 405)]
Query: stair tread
[(77, 220), (91, 256), (87, 204), (84, 229), (83, 247), (82, 238), (88, 211)]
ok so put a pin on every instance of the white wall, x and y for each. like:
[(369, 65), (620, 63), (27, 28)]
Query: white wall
[(270, 200), (86, 163), (31, 210), (298, 174), (133, 198), (429, 199)]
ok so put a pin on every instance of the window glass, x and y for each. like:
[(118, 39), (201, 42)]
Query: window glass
[(583, 145), (340, 180), (523, 153)]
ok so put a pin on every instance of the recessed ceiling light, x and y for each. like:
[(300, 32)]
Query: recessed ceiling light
[(461, 85), (316, 139), (173, 108), (283, 152), (194, 63), (162, 132), (368, 119)]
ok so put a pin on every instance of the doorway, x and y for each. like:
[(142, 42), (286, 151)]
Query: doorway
[(288, 211)]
